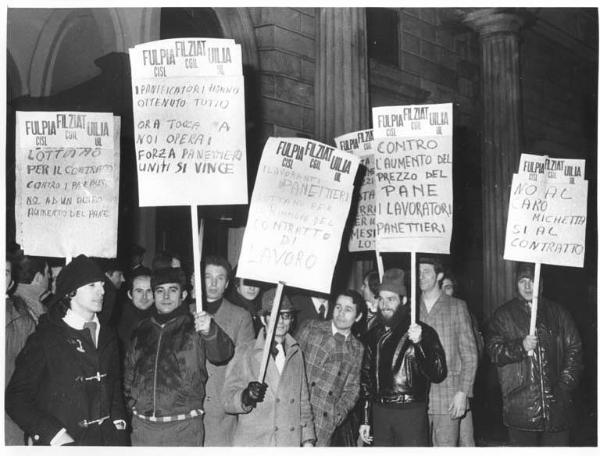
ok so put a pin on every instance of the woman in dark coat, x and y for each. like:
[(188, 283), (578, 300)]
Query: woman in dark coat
[(66, 388)]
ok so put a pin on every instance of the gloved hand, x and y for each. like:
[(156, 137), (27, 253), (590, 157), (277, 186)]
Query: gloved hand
[(254, 393)]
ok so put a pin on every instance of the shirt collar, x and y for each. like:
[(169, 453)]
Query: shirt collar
[(318, 302), (334, 331), (76, 322)]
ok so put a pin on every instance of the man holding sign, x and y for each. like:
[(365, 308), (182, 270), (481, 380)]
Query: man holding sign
[(165, 366), (401, 361), (536, 388), (276, 412)]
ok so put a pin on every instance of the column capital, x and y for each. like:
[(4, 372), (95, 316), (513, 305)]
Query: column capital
[(491, 21)]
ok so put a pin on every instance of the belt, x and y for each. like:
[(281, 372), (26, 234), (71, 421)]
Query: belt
[(396, 399), (86, 423), (167, 419)]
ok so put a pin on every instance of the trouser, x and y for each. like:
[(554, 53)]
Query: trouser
[(404, 425), (188, 432), (466, 437), (444, 430), (537, 438)]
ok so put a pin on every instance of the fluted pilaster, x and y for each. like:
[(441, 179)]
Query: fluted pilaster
[(502, 141), (342, 93), (341, 80)]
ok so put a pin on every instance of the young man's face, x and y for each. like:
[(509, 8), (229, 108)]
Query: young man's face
[(284, 323), (448, 287), (43, 278), (388, 303), (215, 281), (168, 297), (88, 298), (345, 313), (141, 293), (525, 287), (427, 277), (250, 292), (8, 274), (116, 277)]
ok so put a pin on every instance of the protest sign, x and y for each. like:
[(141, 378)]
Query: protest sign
[(360, 144), (547, 212), (188, 104), (297, 215), (413, 178), (67, 183)]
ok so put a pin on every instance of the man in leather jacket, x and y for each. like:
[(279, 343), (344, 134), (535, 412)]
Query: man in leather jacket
[(400, 362), (536, 389)]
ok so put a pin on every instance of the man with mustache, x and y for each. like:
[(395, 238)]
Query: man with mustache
[(400, 362)]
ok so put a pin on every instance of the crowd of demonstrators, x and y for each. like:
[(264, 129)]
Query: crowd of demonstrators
[(102, 354)]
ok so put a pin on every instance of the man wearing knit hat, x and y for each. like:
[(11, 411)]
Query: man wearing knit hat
[(276, 412), (450, 317), (66, 388), (539, 372), (165, 366), (400, 362)]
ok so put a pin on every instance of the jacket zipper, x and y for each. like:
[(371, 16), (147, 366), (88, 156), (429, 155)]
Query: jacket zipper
[(539, 350), (156, 372)]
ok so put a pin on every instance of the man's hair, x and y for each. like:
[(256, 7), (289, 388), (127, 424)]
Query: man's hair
[(163, 259), (217, 260), (25, 267), (168, 275), (357, 300), (435, 262), (372, 278), (139, 272), (448, 274)]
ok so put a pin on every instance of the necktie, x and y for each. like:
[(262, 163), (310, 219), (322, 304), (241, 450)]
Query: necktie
[(91, 326), (339, 338), (322, 312), (279, 357)]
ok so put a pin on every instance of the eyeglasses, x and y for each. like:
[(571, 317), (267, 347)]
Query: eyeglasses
[(284, 316)]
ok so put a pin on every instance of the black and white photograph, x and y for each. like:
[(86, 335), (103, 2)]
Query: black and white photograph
[(302, 225)]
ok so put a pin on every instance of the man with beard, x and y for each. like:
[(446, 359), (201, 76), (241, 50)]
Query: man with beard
[(400, 362)]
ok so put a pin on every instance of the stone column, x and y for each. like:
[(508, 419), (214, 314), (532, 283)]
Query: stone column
[(342, 88), (502, 141)]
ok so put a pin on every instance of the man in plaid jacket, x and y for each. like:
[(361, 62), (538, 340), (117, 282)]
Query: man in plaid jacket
[(333, 357), (449, 316)]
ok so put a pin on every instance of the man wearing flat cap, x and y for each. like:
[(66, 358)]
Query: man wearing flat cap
[(537, 373), (165, 366), (276, 412), (401, 361), (66, 388)]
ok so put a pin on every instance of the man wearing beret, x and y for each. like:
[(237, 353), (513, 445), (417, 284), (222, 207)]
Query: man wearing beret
[(401, 361), (276, 412), (165, 366), (450, 317), (537, 373), (66, 388)]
